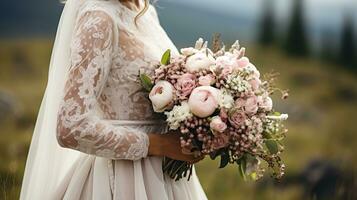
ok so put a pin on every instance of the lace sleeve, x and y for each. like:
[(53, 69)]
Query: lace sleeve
[(78, 126)]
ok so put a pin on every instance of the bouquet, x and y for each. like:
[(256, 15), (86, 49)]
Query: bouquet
[(221, 105)]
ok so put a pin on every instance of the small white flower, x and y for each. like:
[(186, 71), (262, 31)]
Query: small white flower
[(178, 115), (225, 100)]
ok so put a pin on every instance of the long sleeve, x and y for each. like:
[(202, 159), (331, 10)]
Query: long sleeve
[(79, 127)]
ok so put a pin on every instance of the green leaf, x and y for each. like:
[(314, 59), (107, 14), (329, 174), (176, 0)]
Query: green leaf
[(272, 146), (242, 166), (224, 159), (267, 135), (146, 82), (165, 60), (276, 113)]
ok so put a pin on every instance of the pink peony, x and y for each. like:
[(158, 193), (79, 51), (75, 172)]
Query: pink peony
[(220, 141), (237, 118), (203, 101), (217, 125), (185, 84), (206, 80), (161, 96)]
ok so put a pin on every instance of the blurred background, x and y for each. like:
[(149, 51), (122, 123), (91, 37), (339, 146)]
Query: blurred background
[(312, 43)]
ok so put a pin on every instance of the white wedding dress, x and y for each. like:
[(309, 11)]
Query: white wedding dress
[(105, 114)]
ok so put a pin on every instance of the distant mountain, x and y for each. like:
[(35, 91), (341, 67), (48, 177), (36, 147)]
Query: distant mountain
[(29, 18), (184, 20), (185, 23)]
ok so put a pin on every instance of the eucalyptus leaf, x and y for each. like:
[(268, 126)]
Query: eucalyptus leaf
[(267, 135), (224, 160), (146, 82), (242, 166), (215, 154), (272, 146), (165, 60)]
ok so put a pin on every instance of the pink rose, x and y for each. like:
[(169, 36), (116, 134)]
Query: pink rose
[(185, 84), (206, 80), (203, 101), (249, 105), (217, 125), (266, 104), (223, 114), (225, 61), (237, 118), (243, 62), (225, 64), (161, 96), (220, 141), (255, 83)]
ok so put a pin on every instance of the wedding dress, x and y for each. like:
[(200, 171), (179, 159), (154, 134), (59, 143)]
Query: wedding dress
[(103, 115)]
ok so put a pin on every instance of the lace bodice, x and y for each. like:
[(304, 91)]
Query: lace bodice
[(107, 53)]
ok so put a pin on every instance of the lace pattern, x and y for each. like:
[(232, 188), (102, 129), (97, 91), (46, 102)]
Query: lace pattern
[(107, 53), (79, 125)]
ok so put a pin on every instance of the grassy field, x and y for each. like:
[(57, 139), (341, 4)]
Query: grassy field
[(322, 108)]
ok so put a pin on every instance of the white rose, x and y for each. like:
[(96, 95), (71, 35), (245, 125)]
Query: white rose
[(251, 68), (199, 61), (161, 96), (267, 104)]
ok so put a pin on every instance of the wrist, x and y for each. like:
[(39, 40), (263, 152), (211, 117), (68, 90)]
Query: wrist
[(155, 145)]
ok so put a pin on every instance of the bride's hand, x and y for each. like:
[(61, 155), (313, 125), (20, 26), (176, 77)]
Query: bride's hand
[(169, 145)]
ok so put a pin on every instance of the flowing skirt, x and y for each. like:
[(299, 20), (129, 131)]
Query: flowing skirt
[(97, 178)]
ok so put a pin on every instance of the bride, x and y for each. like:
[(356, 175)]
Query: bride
[(96, 136)]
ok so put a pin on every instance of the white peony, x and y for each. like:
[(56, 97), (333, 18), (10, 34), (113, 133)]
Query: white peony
[(199, 61), (266, 104), (161, 96)]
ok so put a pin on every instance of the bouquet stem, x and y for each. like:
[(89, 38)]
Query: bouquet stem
[(177, 169)]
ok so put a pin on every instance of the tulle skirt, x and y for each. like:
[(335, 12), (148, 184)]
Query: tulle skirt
[(97, 178)]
